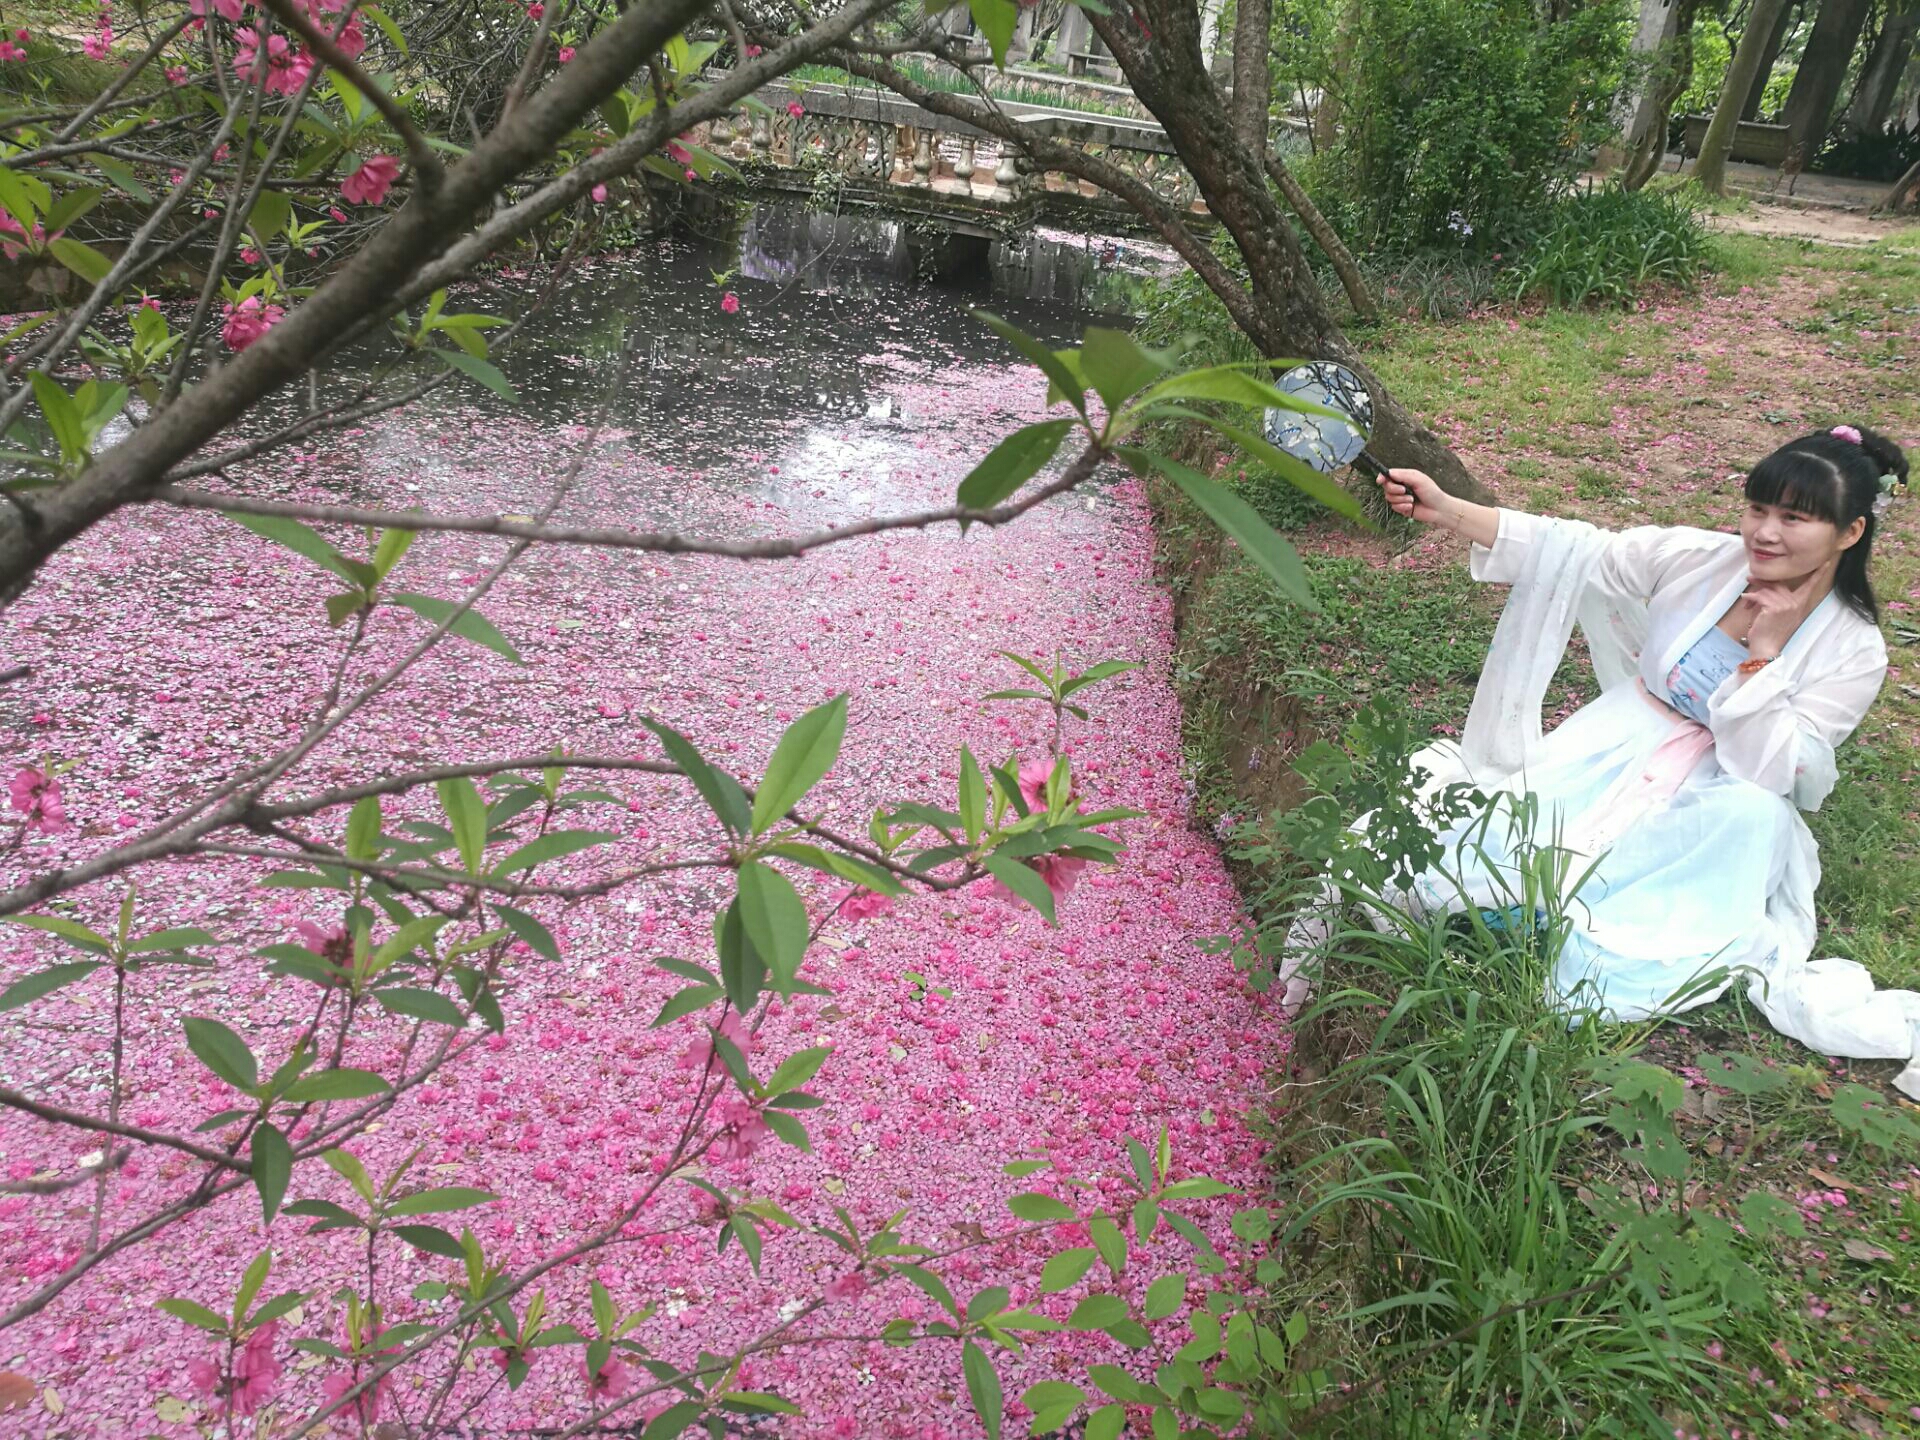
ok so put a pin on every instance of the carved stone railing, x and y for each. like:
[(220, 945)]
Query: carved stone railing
[(875, 146)]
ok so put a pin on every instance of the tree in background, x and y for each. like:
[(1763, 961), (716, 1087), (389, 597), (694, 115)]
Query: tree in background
[(1710, 170), (1822, 73)]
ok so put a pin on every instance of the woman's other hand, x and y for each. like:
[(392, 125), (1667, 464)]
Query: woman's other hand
[(1418, 496)]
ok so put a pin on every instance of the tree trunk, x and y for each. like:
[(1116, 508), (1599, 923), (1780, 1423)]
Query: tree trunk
[(1671, 76), (1757, 91), (1880, 76), (1903, 197), (1710, 170), (1326, 237), (1159, 53), (1823, 69), (1326, 115)]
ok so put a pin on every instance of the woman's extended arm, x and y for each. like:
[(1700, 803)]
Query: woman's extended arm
[(1418, 496)]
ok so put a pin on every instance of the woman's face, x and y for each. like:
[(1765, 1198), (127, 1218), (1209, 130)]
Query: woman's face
[(1787, 545)]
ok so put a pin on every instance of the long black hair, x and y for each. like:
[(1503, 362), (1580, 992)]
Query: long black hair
[(1832, 477)]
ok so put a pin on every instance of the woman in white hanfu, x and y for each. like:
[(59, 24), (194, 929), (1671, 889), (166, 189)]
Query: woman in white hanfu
[(1731, 666)]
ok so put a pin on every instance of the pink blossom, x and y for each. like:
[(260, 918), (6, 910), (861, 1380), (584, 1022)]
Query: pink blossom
[(36, 795), (753, 52), (744, 1131), (255, 1370), (678, 153), (337, 213), (848, 1286), (249, 255), (564, 54), (536, 10), (351, 37), (796, 109), (333, 946), (10, 51), (369, 184), (613, 1381), (599, 193), (176, 74), (147, 302), (248, 321), (1059, 873), (729, 304), (36, 241), (732, 1029), (1034, 775), (227, 9), (864, 904), (99, 45), (287, 68)]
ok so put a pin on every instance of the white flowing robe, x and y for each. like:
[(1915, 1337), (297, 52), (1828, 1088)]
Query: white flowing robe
[(1714, 868)]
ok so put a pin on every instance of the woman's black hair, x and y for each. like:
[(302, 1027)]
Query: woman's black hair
[(1833, 478)]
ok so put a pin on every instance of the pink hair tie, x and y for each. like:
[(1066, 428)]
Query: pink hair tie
[(1846, 433)]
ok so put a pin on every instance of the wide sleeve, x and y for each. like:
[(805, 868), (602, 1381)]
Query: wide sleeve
[(1779, 729), (1633, 565)]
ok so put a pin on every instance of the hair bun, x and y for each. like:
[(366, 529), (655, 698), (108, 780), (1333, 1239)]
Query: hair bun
[(1891, 459)]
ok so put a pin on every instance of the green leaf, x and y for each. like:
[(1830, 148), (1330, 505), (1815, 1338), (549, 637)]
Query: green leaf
[(62, 415), (45, 982), (1116, 366), (996, 19), (222, 1051), (347, 1166), (272, 1168), (427, 1005), (1011, 463), (344, 1083), (269, 215), (796, 1070), (686, 1002), (1768, 1217), (1023, 881), (1065, 1270), (251, 1280), (194, 1313), (69, 930), (392, 31), (973, 795), (467, 818), (742, 970), (71, 206), (1097, 1312), (1297, 473), (85, 261), (722, 794), (1051, 365), (805, 753), (931, 1284), (121, 174), (529, 931), (1198, 1188), (441, 1200), (983, 1382), (1239, 520), (551, 846), (328, 1215), (304, 542), (1108, 1240), (1052, 1403), (674, 1420), (788, 1129), (363, 830), (432, 1239), (393, 545), (775, 918), (470, 625), (178, 937), (845, 867), (1165, 1296), (1105, 1423), (485, 371), (1035, 1206)]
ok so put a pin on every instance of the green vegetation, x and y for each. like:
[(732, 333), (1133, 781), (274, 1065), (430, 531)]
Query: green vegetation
[(944, 80), (1451, 1148)]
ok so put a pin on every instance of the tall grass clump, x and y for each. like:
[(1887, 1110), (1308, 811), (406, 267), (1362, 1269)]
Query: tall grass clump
[(1606, 247)]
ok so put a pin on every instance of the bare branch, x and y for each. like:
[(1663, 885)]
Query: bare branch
[(14, 1100)]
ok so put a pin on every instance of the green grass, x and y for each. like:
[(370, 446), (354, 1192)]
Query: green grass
[(1423, 1156)]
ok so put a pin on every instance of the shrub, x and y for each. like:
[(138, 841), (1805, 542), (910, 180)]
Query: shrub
[(1602, 248), (1465, 118)]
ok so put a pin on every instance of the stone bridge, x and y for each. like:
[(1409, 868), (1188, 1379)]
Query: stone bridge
[(869, 147)]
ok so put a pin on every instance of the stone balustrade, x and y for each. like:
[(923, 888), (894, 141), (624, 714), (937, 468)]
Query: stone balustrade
[(882, 149)]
